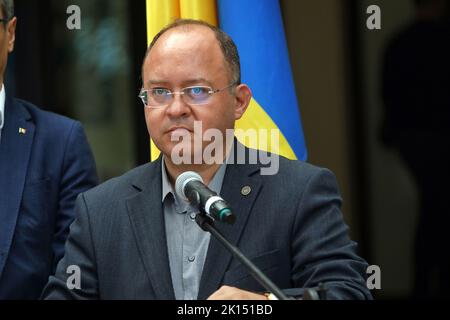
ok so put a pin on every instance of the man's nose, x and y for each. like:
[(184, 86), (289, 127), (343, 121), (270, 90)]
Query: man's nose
[(177, 107)]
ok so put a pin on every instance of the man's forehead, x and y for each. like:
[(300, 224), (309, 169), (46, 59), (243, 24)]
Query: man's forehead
[(194, 43), (187, 34), (185, 45)]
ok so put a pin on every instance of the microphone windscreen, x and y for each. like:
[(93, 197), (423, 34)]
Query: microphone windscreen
[(183, 179)]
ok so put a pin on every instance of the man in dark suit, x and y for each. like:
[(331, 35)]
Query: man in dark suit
[(45, 162), (135, 238)]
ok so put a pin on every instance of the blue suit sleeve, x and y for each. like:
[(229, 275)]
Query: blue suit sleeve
[(78, 175), (79, 254)]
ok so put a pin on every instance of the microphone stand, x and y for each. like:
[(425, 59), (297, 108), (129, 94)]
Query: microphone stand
[(207, 224)]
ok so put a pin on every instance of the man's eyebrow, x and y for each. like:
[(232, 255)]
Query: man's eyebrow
[(196, 80), (184, 83), (160, 82)]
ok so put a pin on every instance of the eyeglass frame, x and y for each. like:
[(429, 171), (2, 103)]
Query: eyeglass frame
[(182, 93)]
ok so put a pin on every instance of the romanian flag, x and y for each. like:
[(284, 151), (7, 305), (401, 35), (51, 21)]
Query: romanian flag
[(256, 26)]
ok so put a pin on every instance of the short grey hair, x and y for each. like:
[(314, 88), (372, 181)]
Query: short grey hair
[(7, 7)]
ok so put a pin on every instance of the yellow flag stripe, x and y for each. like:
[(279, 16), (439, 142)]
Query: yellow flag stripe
[(256, 118), (199, 10), (159, 14), (154, 151)]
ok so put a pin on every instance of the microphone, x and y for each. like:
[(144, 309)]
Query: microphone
[(189, 185)]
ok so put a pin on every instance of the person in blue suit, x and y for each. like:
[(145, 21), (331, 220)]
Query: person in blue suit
[(135, 238), (45, 162)]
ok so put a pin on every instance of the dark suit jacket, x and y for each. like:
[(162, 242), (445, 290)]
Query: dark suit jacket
[(42, 169), (290, 225)]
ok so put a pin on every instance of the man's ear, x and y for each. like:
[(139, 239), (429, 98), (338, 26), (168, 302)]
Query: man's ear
[(243, 96), (11, 33)]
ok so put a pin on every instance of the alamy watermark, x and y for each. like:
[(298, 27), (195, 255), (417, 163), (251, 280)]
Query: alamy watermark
[(73, 22), (190, 147), (374, 279), (373, 22), (74, 280)]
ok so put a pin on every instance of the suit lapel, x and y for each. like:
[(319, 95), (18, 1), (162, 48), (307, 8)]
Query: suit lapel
[(15, 149), (147, 219), (218, 258)]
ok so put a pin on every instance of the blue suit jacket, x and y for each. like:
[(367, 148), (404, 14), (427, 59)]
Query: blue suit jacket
[(45, 162), (290, 225)]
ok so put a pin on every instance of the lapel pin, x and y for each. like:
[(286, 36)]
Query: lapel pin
[(22, 130), (245, 191)]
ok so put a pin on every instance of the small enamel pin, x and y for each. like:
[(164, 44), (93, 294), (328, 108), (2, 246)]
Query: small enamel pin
[(22, 130), (245, 191)]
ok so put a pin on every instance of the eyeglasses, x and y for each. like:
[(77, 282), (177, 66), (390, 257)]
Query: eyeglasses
[(194, 96)]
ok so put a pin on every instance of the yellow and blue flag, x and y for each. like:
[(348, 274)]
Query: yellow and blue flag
[(256, 26)]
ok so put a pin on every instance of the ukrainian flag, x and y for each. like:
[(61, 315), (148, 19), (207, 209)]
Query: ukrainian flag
[(257, 28)]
